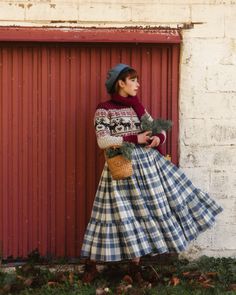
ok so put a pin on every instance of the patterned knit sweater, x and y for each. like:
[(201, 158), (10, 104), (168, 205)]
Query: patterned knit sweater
[(115, 123)]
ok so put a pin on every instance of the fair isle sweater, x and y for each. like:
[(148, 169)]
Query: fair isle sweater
[(115, 124)]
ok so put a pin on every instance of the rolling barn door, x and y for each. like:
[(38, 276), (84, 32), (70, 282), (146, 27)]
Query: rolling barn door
[(49, 160)]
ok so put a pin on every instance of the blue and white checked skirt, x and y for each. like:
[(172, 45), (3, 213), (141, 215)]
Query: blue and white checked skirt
[(156, 210)]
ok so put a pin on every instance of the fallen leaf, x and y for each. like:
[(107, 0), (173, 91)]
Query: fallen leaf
[(189, 274), (50, 283), (150, 274), (128, 287), (80, 283), (119, 290), (127, 279), (232, 287), (89, 274), (186, 273), (207, 281), (28, 282), (212, 274), (122, 289), (27, 268), (204, 278), (60, 277), (20, 277), (206, 285), (100, 291), (71, 278), (175, 281), (7, 288)]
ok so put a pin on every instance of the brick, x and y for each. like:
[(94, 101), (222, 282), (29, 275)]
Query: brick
[(12, 11), (196, 51), (204, 240), (199, 176), (203, 132), (50, 11), (208, 105), (101, 12), (230, 22), (222, 181), (161, 13), (212, 19), (194, 156), (207, 13), (126, 2), (198, 2), (212, 157), (224, 195), (194, 132), (211, 242), (228, 216), (221, 132), (221, 78), (224, 237), (192, 252), (223, 157), (69, 2), (230, 57), (192, 79)]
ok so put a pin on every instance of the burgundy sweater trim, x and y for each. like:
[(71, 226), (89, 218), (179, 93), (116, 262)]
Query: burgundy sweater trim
[(162, 137), (109, 105), (131, 138)]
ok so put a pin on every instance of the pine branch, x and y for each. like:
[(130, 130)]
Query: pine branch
[(125, 150), (155, 126), (146, 124), (161, 124), (112, 152)]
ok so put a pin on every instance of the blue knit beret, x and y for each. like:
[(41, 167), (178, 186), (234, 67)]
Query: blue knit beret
[(113, 74)]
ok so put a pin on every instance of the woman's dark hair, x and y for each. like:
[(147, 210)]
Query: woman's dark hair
[(130, 73)]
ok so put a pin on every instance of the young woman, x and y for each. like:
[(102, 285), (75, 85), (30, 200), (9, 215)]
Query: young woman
[(156, 210)]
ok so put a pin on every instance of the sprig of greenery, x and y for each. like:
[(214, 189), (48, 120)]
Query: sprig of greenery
[(146, 124), (155, 126), (125, 150)]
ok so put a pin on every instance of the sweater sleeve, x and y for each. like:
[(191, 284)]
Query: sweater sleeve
[(102, 124)]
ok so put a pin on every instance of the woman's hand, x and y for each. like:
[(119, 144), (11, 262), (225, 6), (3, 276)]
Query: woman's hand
[(154, 141), (144, 138)]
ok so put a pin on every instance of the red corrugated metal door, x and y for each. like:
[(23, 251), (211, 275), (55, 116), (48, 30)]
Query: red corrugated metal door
[(50, 163)]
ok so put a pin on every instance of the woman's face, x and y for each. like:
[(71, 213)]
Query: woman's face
[(128, 87)]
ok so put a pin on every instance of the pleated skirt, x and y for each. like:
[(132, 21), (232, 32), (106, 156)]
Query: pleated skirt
[(156, 210)]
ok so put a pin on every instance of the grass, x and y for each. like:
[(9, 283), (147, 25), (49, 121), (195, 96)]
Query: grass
[(204, 276)]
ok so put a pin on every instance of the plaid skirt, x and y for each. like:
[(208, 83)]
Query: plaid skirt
[(156, 210)]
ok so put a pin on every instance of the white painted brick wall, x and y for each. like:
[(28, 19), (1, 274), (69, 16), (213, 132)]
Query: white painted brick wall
[(207, 86), (221, 78), (104, 13), (161, 13), (51, 12), (208, 121)]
